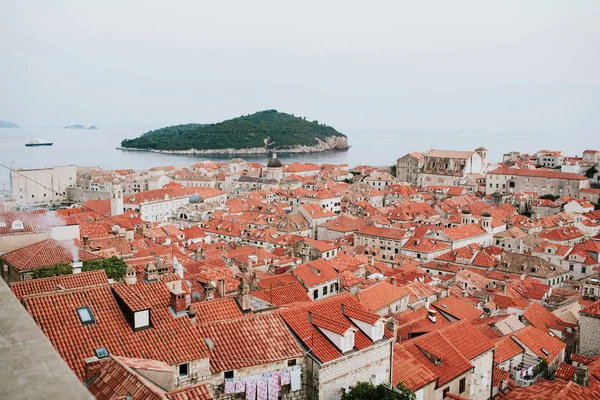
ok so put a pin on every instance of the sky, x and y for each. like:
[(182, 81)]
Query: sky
[(472, 66)]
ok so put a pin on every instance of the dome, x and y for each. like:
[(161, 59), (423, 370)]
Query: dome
[(486, 214), (466, 211), (274, 162)]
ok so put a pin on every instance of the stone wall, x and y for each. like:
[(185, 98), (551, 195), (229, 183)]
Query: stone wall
[(589, 335)]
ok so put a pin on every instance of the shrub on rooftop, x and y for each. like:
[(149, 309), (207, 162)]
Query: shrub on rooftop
[(113, 266)]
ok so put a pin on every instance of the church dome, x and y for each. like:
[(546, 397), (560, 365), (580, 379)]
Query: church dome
[(274, 162)]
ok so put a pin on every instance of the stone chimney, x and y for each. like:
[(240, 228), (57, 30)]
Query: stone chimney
[(92, 367), (76, 267), (130, 275), (392, 326), (209, 291), (221, 287), (244, 297), (178, 304), (150, 272), (86, 242), (431, 314), (582, 376)]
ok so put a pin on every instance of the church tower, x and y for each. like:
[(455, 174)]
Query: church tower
[(116, 199), (274, 168)]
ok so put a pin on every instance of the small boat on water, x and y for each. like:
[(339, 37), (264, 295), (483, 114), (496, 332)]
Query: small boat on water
[(38, 142)]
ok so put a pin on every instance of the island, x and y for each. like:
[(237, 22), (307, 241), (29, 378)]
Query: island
[(93, 127), (76, 126), (256, 133), (6, 124)]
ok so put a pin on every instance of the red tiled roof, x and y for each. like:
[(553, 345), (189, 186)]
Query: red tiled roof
[(467, 339), (457, 308), (315, 273), (171, 340), (543, 319), (407, 369), (196, 392), (425, 245), (321, 347), (33, 221), (217, 310), (499, 375), (46, 253), (254, 340), (282, 295), (536, 340), (388, 233), (592, 309), (565, 371), (463, 231), (380, 295), (538, 173), (56, 283), (555, 390), (506, 348)]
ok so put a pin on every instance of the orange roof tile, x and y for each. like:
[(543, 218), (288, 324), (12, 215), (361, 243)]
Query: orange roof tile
[(381, 294), (57, 283), (217, 310)]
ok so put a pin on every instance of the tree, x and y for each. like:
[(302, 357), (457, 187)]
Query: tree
[(53, 270), (113, 266), (549, 197), (591, 172), (367, 391)]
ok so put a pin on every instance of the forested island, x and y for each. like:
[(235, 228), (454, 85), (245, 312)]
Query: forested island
[(253, 133), (7, 124)]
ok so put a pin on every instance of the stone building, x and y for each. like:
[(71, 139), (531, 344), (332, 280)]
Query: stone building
[(42, 186), (589, 330), (448, 167), (408, 168), (541, 181)]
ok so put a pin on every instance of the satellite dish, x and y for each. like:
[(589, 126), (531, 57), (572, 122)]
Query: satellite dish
[(196, 296)]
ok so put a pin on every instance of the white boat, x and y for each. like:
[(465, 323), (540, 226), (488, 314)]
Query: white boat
[(38, 142)]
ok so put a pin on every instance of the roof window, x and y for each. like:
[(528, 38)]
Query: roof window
[(101, 352), (85, 315)]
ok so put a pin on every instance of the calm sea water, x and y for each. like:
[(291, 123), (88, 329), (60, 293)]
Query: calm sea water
[(98, 147)]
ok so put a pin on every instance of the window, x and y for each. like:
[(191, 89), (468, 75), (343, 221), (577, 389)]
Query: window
[(316, 294), (291, 362), (228, 374), (324, 290), (101, 352), (445, 392), (462, 385), (183, 369), (583, 269), (571, 267), (85, 315)]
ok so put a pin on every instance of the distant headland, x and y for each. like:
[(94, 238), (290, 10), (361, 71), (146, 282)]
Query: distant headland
[(7, 124), (249, 134), (79, 126)]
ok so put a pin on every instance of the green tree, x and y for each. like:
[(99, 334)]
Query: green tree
[(591, 172), (367, 391), (113, 266), (53, 270), (549, 197)]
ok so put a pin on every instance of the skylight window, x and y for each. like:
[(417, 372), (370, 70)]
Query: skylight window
[(85, 315), (101, 352), (545, 351)]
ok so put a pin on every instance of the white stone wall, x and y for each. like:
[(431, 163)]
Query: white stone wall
[(480, 380), (589, 335), (371, 364), (42, 186)]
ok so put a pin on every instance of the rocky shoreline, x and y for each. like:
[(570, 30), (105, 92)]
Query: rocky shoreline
[(332, 143)]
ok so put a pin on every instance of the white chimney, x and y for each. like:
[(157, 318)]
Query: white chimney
[(76, 267), (431, 314)]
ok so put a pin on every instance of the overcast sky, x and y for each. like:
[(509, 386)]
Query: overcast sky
[(515, 66)]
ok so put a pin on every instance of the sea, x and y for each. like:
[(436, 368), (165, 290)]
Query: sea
[(371, 147)]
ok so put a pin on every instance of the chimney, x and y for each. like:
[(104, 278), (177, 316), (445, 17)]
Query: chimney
[(465, 292), (309, 317), (209, 291), (178, 304), (371, 261), (582, 376), (92, 367), (393, 280), (86, 242), (192, 315), (76, 267), (244, 297), (392, 326), (343, 308), (221, 287), (431, 314), (130, 275)]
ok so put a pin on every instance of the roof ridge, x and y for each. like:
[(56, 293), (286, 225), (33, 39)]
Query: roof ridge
[(65, 291), (150, 385)]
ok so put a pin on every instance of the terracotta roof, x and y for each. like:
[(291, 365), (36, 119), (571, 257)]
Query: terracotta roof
[(536, 339), (312, 338), (555, 390), (217, 310), (407, 369), (315, 273), (543, 319), (499, 375), (57, 283), (253, 340), (172, 340), (457, 308), (425, 245), (467, 339), (381, 294), (46, 253), (282, 295), (592, 309), (388, 233), (462, 231), (196, 392), (458, 154), (115, 378), (538, 173), (33, 221), (506, 348), (565, 371)]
